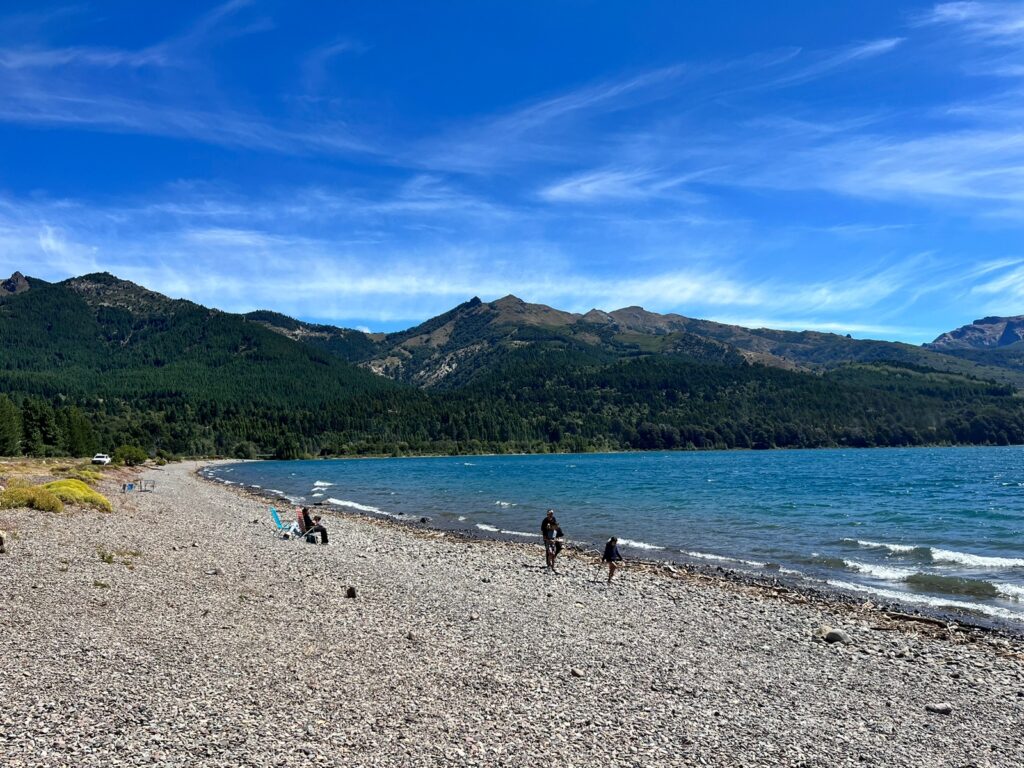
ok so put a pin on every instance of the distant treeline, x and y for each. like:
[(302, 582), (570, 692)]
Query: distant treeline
[(535, 400)]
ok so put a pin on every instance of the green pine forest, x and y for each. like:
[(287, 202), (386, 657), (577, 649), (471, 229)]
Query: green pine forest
[(91, 365)]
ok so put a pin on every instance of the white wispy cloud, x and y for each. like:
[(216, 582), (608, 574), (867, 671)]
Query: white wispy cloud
[(80, 86), (831, 61), (616, 184), (999, 22), (239, 259)]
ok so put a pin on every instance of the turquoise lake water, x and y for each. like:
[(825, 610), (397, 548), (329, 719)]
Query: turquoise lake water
[(942, 527)]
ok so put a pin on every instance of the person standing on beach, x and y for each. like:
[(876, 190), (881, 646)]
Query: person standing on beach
[(551, 531), (612, 557)]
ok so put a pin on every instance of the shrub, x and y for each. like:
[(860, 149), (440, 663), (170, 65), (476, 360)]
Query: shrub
[(130, 455), (32, 497), (73, 491), (89, 476)]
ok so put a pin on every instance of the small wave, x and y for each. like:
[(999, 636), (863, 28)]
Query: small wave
[(638, 544), (953, 585), (720, 558), (977, 561), (360, 507), (505, 504), (317, 495), (274, 490), (468, 464), (945, 555), (322, 484), (898, 548), (486, 527), (884, 572), (1012, 591), (935, 602), (519, 533), (462, 518)]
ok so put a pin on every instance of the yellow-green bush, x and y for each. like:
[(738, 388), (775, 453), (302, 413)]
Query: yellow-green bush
[(89, 476), (73, 491), (31, 496)]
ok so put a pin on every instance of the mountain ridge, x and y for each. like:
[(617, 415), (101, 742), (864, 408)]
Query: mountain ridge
[(431, 353), (174, 376)]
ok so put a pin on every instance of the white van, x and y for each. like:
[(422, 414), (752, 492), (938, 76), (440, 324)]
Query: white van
[(101, 458)]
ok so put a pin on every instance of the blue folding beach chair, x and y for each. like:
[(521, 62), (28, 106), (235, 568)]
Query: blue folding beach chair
[(282, 529)]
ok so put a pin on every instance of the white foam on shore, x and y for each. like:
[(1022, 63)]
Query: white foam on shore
[(274, 490), (322, 484), (898, 548), (884, 572), (1012, 591), (935, 602), (486, 527), (360, 507), (462, 518), (978, 561), (519, 533), (638, 544), (721, 559)]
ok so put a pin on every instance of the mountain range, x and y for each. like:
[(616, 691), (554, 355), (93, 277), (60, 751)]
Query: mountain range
[(448, 350), (174, 376)]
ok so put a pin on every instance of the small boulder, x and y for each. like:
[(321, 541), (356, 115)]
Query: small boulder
[(474, 617), (940, 708), (577, 672), (838, 636), (3, 542), (215, 572), (350, 592)]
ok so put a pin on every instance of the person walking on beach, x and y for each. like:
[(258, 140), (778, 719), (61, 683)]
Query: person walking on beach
[(612, 557), (551, 531)]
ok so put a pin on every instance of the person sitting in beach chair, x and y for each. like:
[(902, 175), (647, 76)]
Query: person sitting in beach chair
[(316, 528)]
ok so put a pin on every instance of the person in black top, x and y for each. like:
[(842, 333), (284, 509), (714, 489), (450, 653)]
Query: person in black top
[(314, 529), (552, 533), (611, 556)]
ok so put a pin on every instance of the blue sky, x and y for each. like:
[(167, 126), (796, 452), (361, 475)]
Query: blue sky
[(847, 166)]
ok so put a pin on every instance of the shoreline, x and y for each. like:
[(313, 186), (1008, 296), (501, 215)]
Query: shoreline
[(180, 631), (766, 580)]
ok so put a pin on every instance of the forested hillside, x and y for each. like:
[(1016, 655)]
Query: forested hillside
[(94, 362)]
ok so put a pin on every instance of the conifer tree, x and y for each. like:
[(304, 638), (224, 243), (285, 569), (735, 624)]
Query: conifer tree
[(10, 428)]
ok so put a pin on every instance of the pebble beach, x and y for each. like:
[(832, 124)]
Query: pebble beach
[(180, 631)]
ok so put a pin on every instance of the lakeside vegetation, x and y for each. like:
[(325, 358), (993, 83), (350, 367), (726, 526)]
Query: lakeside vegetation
[(576, 406)]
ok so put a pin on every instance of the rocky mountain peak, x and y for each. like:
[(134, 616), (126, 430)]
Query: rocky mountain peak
[(984, 333), (16, 283)]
